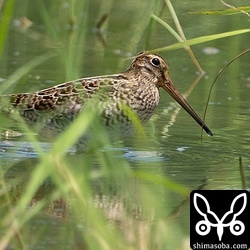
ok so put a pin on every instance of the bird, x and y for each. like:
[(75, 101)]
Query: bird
[(135, 90)]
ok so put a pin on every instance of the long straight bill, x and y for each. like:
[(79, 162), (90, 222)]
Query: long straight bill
[(170, 88)]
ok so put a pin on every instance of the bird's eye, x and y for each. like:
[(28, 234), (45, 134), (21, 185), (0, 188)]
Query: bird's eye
[(155, 61)]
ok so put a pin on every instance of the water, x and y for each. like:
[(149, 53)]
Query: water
[(173, 145)]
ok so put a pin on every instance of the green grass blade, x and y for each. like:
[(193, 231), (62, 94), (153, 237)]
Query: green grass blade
[(5, 20), (167, 26), (74, 131), (201, 39), (162, 180), (24, 70), (237, 10)]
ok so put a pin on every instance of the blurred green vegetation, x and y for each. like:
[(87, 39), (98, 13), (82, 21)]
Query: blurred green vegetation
[(94, 200)]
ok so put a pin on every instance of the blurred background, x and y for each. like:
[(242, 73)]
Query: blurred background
[(132, 194)]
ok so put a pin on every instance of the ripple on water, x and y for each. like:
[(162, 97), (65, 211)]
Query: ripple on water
[(19, 149), (135, 155)]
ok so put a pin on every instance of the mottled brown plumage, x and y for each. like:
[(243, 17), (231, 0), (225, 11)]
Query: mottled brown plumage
[(136, 88)]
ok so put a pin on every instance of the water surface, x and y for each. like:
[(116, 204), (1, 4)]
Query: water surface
[(172, 147)]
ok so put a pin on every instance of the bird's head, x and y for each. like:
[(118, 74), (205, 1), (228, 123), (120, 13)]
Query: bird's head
[(155, 67)]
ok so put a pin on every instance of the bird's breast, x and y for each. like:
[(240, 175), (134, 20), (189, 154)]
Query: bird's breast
[(145, 102), (141, 101)]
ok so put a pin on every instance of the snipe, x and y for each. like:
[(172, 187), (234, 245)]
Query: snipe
[(136, 88)]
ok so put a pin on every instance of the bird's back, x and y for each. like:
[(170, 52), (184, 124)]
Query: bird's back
[(57, 106)]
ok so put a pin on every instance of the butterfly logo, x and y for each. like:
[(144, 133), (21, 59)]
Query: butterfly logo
[(203, 227)]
